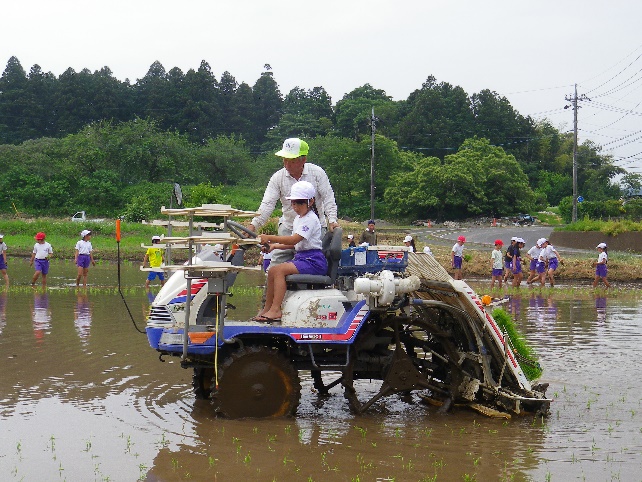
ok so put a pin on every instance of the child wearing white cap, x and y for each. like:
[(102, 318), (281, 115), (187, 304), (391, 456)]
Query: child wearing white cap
[(551, 258), (351, 243), (305, 240), (533, 255), (83, 256), (600, 265), (3, 259), (410, 243)]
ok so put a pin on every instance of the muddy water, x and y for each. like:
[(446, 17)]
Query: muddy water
[(83, 397)]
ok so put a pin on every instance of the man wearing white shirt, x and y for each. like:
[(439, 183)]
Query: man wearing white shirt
[(295, 168)]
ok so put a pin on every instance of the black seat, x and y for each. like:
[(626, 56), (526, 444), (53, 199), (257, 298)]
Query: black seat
[(331, 247)]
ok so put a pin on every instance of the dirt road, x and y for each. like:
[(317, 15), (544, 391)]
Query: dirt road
[(478, 236)]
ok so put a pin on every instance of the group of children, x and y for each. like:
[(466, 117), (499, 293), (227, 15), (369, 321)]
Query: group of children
[(43, 250), (544, 261)]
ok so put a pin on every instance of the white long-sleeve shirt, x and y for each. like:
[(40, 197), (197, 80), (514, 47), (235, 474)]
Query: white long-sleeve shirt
[(279, 186)]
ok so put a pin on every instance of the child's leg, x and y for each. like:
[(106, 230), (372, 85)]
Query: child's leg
[(35, 277), (44, 280), (6, 276), (276, 288), (79, 275)]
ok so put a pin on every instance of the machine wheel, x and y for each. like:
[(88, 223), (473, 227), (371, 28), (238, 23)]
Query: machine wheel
[(257, 382), (423, 359), (202, 382)]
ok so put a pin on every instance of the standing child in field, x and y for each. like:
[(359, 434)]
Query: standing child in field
[(517, 262), (497, 264), (600, 265), (409, 242), (155, 257), (3, 259), (84, 257), (508, 259), (533, 255), (552, 258), (305, 240), (42, 250), (456, 256)]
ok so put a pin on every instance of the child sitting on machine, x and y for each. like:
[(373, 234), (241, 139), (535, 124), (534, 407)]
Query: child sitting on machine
[(305, 240)]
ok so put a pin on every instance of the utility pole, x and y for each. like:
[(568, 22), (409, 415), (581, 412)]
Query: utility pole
[(573, 100), (373, 128)]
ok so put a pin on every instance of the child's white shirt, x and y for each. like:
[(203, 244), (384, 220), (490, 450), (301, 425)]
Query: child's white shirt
[(309, 228), (497, 258), (458, 249), (84, 247), (43, 250)]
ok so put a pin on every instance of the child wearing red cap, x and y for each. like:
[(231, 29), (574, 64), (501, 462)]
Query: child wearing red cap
[(497, 264), (456, 256), (41, 252)]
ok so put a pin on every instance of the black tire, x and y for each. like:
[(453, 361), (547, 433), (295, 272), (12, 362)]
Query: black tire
[(202, 382), (257, 382)]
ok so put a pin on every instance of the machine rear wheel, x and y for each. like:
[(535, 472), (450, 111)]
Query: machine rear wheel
[(257, 382)]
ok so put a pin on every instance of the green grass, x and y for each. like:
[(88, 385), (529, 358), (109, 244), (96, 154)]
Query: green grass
[(612, 228), (549, 217), (503, 319), (63, 235)]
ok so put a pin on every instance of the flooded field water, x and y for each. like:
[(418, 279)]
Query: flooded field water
[(83, 397)]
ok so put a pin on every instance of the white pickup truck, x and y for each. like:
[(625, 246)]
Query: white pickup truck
[(80, 217)]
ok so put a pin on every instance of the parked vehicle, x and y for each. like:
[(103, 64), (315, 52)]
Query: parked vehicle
[(524, 220), (380, 314), (80, 217)]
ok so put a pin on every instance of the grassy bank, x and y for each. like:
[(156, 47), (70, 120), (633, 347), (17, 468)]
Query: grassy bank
[(63, 235)]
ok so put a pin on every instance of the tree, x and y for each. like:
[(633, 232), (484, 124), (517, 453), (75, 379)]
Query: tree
[(14, 104), (267, 105), (224, 160), (354, 112), (439, 118), (156, 92), (478, 179), (631, 184), (201, 115)]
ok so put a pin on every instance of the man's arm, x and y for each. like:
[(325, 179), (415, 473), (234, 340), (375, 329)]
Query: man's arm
[(270, 197), (326, 194)]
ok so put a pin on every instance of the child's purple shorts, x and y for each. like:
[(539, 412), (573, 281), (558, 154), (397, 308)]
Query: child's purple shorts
[(84, 260), (552, 263), (311, 261), (541, 266), (457, 262), (533, 265), (42, 265), (497, 272), (600, 270), (518, 266)]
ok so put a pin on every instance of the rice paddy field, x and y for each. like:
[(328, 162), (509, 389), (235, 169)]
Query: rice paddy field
[(84, 397)]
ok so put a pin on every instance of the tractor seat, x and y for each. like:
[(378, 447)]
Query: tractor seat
[(331, 247)]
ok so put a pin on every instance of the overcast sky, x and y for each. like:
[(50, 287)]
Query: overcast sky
[(531, 52)]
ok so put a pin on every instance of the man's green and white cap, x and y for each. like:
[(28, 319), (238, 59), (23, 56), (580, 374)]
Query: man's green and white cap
[(293, 148)]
